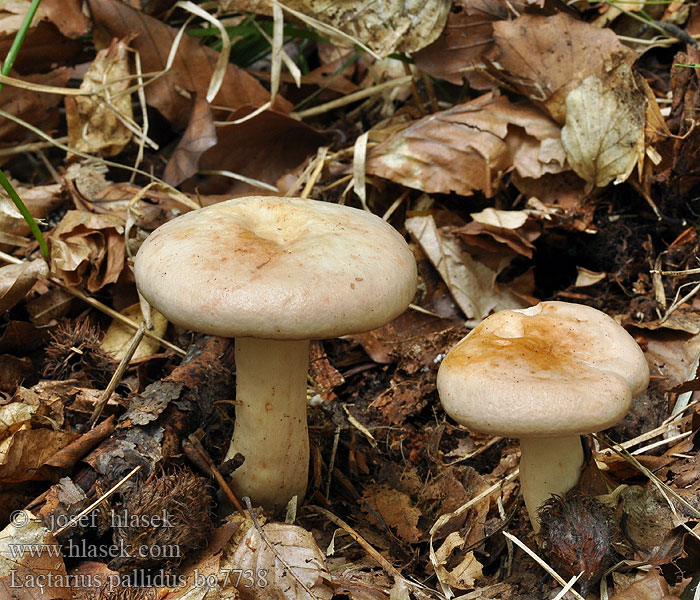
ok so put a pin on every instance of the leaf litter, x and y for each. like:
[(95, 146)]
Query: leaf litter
[(528, 151)]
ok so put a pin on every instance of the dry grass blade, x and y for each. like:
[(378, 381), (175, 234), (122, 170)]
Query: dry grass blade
[(542, 563), (219, 73)]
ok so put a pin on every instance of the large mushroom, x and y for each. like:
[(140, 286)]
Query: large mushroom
[(275, 273), (546, 375)]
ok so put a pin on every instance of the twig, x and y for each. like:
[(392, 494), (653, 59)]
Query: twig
[(198, 455), (390, 569), (104, 496), (261, 533), (117, 377)]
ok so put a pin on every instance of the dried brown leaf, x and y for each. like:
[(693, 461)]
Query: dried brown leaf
[(396, 510), (199, 136), (493, 229), (459, 53), (651, 586), (23, 454), (604, 131), (467, 148), (472, 283), (544, 58), (17, 280), (263, 148), (88, 246), (40, 110), (92, 127), (13, 371), (192, 69)]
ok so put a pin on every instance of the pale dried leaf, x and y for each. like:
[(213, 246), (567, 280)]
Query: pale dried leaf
[(465, 573), (604, 132), (470, 282), (467, 148), (272, 580), (385, 26), (586, 277), (17, 280), (92, 127), (14, 413), (31, 576), (118, 337)]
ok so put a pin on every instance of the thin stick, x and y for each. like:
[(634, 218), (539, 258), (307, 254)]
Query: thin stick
[(99, 306), (198, 455), (104, 496), (383, 562), (350, 98), (261, 533), (117, 377)]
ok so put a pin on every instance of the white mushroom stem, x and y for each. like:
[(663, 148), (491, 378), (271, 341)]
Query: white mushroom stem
[(271, 431), (548, 466)]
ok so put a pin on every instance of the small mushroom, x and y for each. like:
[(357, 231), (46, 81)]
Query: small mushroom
[(546, 375), (275, 273)]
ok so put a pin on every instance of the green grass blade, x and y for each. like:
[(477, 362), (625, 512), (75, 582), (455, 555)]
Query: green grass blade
[(4, 181)]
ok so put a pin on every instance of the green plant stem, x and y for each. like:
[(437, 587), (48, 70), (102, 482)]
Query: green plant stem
[(34, 228), (4, 181), (19, 38)]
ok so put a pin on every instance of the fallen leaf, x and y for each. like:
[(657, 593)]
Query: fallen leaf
[(651, 586), (386, 27), (545, 58), (459, 53), (40, 110), (466, 572), (26, 575), (471, 283), (118, 335), (468, 147), (13, 371), (492, 229), (270, 580), (96, 124), (604, 131), (199, 136), (396, 510), (264, 148), (24, 453), (192, 68), (586, 277), (88, 246), (17, 280)]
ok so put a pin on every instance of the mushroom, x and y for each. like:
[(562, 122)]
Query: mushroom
[(275, 273), (546, 375)]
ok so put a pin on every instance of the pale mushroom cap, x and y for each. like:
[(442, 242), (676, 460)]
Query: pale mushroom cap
[(280, 268), (554, 369)]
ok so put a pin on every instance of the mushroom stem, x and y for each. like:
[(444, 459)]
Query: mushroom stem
[(271, 431), (548, 466)]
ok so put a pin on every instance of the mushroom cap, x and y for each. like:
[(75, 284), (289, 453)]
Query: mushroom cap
[(278, 268), (554, 369)]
